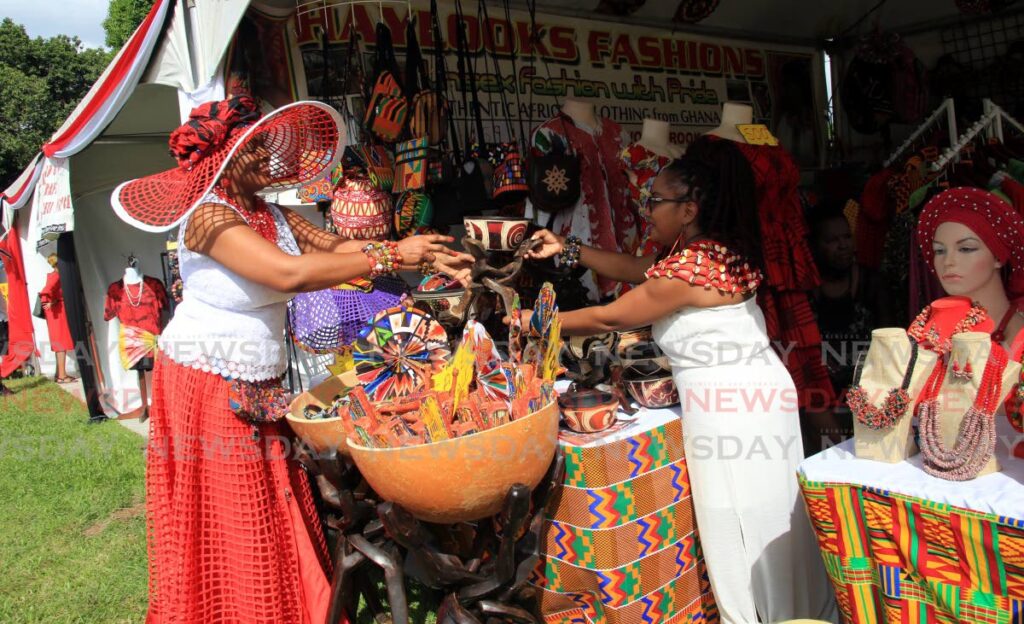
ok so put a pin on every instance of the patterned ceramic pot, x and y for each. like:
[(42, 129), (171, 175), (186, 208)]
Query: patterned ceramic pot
[(628, 341), (497, 233), (440, 303), (327, 434), (588, 411), (653, 392), (465, 478)]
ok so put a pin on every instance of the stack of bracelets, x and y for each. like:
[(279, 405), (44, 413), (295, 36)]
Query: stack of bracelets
[(384, 258), (570, 255)]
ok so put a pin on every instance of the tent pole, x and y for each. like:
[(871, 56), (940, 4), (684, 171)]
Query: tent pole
[(77, 315)]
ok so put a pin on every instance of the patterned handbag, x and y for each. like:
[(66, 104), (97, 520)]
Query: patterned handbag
[(360, 211), (554, 174), (258, 402), (509, 178), (410, 165), (380, 166), (387, 110), (414, 212)]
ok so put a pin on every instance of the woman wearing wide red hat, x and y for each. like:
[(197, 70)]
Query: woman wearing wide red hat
[(232, 530)]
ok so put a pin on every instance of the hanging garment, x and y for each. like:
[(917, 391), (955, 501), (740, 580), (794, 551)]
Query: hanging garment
[(56, 320), (642, 167), (20, 333), (790, 273), (743, 446), (603, 217), (138, 308), (873, 219)]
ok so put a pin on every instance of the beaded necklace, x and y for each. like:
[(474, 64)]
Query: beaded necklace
[(894, 406), (932, 340), (137, 300), (976, 439), (259, 219), (708, 264)]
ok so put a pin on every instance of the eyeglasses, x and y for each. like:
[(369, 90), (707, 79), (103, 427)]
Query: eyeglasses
[(654, 201)]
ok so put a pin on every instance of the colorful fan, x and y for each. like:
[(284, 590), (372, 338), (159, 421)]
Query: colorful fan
[(397, 353), (491, 377), (317, 191), (515, 331)]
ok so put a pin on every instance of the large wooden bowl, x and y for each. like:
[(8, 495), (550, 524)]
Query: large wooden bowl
[(325, 435), (465, 478)]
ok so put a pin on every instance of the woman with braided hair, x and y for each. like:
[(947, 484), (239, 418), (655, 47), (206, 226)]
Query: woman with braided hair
[(232, 530), (739, 404)]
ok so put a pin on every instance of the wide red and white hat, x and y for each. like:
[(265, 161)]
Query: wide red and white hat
[(302, 141)]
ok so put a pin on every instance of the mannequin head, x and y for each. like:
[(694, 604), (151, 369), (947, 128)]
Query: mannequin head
[(708, 193), (964, 263), (973, 240), (831, 241)]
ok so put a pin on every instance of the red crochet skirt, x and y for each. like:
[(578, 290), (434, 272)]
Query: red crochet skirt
[(232, 529)]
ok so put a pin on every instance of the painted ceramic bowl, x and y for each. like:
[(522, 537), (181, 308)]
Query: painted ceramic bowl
[(440, 303), (581, 346), (326, 434), (466, 478), (628, 341), (497, 233), (587, 411), (653, 392)]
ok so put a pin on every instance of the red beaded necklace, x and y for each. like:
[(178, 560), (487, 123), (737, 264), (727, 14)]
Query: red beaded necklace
[(932, 340), (259, 218), (708, 264), (976, 439), (894, 406)]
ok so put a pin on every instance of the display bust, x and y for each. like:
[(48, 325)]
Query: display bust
[(655, 137), (733, 114)]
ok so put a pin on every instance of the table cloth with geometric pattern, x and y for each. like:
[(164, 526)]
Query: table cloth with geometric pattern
[(621, 543)]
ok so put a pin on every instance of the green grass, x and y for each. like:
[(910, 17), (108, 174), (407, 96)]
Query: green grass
[(72, 530)]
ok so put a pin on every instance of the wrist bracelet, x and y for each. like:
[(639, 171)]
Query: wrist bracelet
[(570, 254), (384, 258)]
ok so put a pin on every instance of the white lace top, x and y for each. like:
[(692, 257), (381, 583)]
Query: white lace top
[(226, 324)]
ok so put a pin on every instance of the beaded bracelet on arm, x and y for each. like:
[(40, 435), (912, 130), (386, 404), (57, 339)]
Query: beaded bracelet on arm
[(384, 258), (570, 254)]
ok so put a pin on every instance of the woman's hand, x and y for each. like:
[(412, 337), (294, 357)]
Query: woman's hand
[(457, 266), (552, 245), (422, 248)]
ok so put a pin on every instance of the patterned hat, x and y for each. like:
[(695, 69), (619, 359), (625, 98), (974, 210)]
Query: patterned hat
[(302, 141), (998, 225)]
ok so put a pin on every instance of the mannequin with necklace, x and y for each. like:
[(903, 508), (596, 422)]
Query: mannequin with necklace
[(139, 303)]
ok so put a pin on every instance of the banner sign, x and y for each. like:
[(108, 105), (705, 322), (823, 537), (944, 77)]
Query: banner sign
[(630, 72), (51, 204)]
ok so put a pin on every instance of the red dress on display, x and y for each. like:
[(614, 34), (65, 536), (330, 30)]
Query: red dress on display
[(56, 321), (790, 273), (139, 308)]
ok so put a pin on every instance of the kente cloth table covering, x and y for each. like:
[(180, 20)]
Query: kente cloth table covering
[(902, 546), (621, 545)]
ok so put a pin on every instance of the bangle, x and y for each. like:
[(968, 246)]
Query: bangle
[(570, 255), (426, 269), (384, 258)]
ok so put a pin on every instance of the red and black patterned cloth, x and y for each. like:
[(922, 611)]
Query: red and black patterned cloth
[(790, 273), (151, 303)]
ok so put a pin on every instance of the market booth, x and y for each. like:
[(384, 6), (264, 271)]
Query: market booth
[(559, 115)]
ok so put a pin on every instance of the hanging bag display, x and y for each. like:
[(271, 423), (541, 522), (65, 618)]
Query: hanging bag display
[(429, 108), (387, 111), (414, 212), (380, 167), (360, 211), (466, 192), (554, 168), (410, 165)]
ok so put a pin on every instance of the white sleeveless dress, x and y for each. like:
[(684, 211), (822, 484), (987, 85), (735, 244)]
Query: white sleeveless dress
[(743, 445)]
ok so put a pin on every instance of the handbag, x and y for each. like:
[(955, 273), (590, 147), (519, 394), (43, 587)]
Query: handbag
[(410, 165), (509, 178), (429, 112), (414, 212), (379, 166), (37, 309), (387, 109), (554, 174), (360, 211), (258, 402)]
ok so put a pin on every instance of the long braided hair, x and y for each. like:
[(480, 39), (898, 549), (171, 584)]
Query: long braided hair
[(716, 175)]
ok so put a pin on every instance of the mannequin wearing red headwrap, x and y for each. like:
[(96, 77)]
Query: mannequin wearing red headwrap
[(973, 242)]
